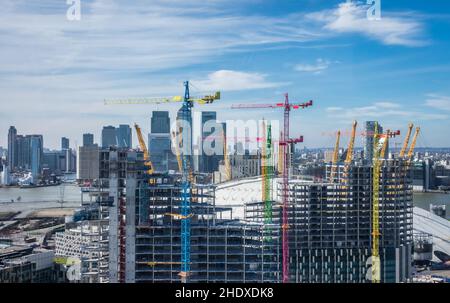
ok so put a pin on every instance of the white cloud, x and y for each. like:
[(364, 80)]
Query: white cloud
[(114, 35), (316, 68), (392, 29), (387, 105), (334, 109), (438, 102), (228, 80), (125, 48), (383, 111)]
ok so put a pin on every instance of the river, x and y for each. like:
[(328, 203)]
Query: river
[(48, 197), (423, 200), (39, 198)]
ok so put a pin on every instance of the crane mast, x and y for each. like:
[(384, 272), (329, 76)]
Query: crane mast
[(285, 191), (413, 145), (406, 142), (177, 152), (380, 142), (351, 145), (226, 158), (186, 116), (144, 149), (266, 171), (284, 144), (184, 164), (335, 157)]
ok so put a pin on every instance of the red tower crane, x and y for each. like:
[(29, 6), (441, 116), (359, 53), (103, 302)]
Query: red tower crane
[(285, 142)]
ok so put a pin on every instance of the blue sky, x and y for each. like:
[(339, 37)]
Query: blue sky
[(55, 73)]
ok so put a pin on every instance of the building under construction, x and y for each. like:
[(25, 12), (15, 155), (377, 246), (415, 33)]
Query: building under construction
[(331, 234), (329, 228), (330, 225), (145, 230)]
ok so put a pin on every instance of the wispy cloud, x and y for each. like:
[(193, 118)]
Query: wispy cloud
[(392, 29), (439, 102), (316, 68), (228, 80), (125, 48), (382, 110), (114, 35), (387, 105)]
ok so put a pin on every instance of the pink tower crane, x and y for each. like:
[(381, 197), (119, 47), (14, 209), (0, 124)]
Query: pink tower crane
[(285, 141)]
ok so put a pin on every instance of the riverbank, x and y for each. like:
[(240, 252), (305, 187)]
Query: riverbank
[(29, 186)]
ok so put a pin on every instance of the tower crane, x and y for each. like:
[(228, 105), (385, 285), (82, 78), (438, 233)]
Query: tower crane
[(351, 145), (381, 142), (285, 141), (406, 142), (185, 114), (413, 145), (266, 171), (335, 157), (177, 152), (226, 159), (267, 174), (144, 149), (163, 100), (280, 157)]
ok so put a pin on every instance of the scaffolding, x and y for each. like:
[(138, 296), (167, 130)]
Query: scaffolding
[(221, 250), (331, 224)]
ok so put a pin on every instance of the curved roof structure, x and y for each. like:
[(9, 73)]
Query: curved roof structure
[(236, 193), (439, 228)]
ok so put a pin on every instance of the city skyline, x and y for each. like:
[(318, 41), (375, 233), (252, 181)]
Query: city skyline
[(394, 71)]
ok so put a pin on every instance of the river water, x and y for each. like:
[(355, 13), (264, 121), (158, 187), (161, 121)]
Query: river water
[(39, 198), (423, 200), (48, 197)]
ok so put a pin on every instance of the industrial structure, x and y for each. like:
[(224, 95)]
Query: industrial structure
[(284, 157), (169, 227)]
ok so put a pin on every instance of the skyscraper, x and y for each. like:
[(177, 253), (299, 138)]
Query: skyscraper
[(64, 143), (160, 122), (25, 152), (184, 123), (124, 136), (208, 163), (159, 141), (368, 140), (36, 150), (88, 139), (12, 148), (109, 136)]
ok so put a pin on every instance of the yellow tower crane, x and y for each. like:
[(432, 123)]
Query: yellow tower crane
[(381, 142), (226, 158), (406, 142), (335, 157), (351, 145), (177, 152), (163, 100), (413, 145), (144, 149), (280, 157)]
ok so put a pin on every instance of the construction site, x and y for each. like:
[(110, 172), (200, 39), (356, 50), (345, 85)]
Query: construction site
[(150, 226)]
